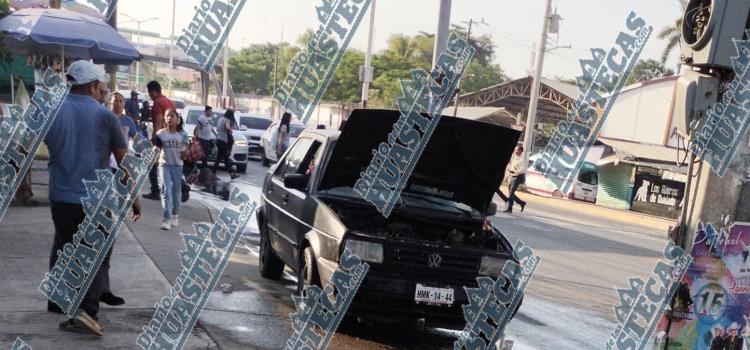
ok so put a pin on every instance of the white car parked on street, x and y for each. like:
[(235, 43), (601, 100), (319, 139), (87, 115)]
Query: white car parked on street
[(583, 189), (238, 155), (268, 153), (253, 127)]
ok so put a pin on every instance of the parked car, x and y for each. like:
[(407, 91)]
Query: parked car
[(179, 105), (253, 127), (268, 152), (238, 155), (435, 242), (583, 189)]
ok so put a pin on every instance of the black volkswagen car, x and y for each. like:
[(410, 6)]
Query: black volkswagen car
[(435, 242)]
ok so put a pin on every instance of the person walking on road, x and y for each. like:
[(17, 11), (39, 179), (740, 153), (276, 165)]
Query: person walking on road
[(224, 141), (173, 142), (283, 138), (517, 170), (132, 109), (204, 132), (161, 105), (79, 142)]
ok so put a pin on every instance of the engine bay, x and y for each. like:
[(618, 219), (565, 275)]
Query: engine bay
[(417, 227)]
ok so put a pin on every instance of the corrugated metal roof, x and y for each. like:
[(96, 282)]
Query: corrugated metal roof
[(570, 90), (633, 151)]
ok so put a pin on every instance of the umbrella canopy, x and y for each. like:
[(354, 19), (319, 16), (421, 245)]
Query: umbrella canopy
[(53, 31)]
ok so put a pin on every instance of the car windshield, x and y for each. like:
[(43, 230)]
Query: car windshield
[(255, 122), (179, 104), (410, 200), (193, 115)]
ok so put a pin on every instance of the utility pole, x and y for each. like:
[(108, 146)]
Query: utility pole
[(458, 86), (441, 38), (528, 137), (225, 76), (171, 50), (367, 76)]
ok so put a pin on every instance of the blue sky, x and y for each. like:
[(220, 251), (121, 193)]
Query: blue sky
[(514, 25)]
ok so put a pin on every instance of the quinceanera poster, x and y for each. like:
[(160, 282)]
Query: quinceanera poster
[(711, 309)]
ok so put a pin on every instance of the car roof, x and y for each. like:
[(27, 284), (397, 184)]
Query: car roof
[(252, 116)]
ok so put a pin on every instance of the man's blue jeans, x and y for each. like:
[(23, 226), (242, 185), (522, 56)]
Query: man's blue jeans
[(515, 181), (170, 177)]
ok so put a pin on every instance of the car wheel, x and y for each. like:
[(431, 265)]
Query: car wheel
[(263, 159), (557, 194), (271, 266), (242, 168), (307, 274)]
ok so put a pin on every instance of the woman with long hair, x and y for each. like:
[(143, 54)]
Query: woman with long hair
[(283, 139), (173, 142), (225, 140)]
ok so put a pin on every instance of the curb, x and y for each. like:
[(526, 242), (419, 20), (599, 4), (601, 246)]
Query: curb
[(627, 216)]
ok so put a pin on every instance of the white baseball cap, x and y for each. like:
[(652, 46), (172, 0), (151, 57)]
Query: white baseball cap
[(83, 72)]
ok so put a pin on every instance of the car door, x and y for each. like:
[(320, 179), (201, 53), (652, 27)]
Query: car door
[(285, 202)]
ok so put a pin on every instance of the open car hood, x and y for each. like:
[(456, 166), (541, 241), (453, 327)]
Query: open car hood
[(464, 160)]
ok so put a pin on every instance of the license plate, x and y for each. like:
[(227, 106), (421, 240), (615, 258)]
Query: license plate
[(432, 295)]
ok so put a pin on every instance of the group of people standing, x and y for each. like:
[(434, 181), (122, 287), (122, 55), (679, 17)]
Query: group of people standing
[(207, 134), (726, 341), (87, 136)]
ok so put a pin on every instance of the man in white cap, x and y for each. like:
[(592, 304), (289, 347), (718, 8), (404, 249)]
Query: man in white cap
[(79, 142), (718, 343), (733, 341)]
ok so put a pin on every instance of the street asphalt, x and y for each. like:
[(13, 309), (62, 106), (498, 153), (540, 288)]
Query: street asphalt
[(585, 254)]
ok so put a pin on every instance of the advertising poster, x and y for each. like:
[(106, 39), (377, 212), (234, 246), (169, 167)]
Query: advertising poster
[(711, 308), (657, 196)]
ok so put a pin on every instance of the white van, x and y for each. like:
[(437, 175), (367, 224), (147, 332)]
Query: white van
[(583, 189)]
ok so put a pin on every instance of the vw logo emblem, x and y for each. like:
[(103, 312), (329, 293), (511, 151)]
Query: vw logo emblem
[(434, 260)]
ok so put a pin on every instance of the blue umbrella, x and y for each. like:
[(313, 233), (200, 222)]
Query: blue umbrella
[(55, 31)]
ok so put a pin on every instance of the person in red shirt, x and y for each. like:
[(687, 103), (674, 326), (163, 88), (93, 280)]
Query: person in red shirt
[(161, 105)]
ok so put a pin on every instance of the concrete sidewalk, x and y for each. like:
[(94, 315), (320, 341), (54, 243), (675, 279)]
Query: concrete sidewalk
[(28, 234)]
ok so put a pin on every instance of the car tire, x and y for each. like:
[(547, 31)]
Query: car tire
[(271, 267), (307, 273), (557, 194), (263, 159), (242, 168)]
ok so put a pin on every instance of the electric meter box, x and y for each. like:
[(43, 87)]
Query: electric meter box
[(708, 27), (695, 93)]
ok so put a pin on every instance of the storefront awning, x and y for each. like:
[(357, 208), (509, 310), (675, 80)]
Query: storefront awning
[(642, 154)]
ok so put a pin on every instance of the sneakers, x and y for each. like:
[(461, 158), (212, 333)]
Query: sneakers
[(165, 225), (82, 323), (153, 196), (175, 221)]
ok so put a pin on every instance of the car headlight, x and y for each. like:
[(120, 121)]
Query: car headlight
[(367, 251), (491, 266), (240, 143)]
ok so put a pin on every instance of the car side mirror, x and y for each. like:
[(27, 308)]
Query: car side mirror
[(296, 181), (491, 209), (243, 128)]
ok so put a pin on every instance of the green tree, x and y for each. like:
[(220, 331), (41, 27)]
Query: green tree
[(649, 69), (250, 70), (345, 85), (672, 34), (479, 76)]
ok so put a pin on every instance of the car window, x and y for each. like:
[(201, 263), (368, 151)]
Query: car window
[(192, 116), (179, 104), (294, 158), (296, 130), (589, 178), (255, 123)]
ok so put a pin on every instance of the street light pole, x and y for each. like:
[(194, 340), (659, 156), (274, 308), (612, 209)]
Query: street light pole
[(138, 63), (528, 137), (171, 50), (368, 58), (458, 86), (441, 38)]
